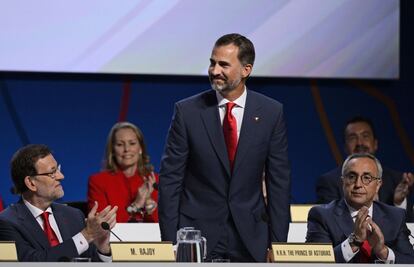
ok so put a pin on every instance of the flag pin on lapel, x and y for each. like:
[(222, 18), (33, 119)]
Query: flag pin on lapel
[(256, 119)]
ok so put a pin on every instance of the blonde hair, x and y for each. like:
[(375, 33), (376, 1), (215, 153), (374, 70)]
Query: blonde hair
[(144, 166)]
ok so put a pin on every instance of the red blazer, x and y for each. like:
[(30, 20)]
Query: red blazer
[(116, 189)]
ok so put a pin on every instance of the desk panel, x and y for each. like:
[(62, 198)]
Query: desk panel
[(151, 232)]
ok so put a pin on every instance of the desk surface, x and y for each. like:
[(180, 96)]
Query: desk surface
[(150, 232)]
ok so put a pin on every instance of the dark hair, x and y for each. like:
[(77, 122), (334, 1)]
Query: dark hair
[(23, 163), (361, 119), (246, 48)]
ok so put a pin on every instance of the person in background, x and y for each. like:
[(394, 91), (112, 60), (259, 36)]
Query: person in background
[(361, 229), (396, 189), (42, 229), (219, 145), (128, 180)]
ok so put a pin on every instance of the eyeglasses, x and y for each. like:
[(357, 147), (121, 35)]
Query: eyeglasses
[(366, 179), (51, 174)]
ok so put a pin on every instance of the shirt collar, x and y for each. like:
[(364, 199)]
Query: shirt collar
[(35, 211), (240, 102), (354, 212)]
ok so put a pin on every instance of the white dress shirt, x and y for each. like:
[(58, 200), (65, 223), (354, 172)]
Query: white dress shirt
[(80, 241), (237, 111)]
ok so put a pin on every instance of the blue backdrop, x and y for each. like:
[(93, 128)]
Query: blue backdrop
[(73, 114)]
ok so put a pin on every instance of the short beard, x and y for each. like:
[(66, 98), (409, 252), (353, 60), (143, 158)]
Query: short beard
[(225, 88)]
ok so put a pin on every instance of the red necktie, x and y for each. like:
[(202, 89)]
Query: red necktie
[(50, 234), (230, 132), (365, 256)]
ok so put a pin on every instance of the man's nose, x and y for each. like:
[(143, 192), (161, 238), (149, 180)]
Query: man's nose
[(215, 70), (358, 182), (59, 176)]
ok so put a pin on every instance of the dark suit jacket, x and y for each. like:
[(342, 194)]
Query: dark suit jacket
[(332, 223), (329, 187), (197, 187), (18, 224)]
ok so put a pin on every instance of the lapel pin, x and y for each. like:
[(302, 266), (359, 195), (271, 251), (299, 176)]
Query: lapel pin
[(256, 119)]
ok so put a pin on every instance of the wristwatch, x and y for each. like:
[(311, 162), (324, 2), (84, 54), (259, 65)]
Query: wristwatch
[(353, 240)]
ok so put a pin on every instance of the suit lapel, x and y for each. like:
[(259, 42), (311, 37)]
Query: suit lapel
[(61, 221), (31, 225), (211, 120), (378, 216), (343, 218), (248, 129)]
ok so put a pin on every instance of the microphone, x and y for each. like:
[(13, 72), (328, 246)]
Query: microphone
[(106, 226), (155, 186)]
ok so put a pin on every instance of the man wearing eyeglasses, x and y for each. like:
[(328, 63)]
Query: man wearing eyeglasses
[(44, 230), (360, 229), (396, 189)]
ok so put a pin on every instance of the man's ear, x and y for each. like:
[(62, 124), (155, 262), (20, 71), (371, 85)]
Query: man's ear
[(30, 183), (247, 69)]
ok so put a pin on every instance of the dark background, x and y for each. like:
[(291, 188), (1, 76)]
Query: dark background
[(72, 113)]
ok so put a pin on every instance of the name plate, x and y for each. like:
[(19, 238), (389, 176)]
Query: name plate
[(142, 251), (8, 251), (303, 252)]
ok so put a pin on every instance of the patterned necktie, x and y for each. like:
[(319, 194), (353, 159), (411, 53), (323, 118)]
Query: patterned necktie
[(230, 133), (50, 234), (365, 252)]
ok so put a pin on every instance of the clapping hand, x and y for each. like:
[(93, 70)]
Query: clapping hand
[(361, 225), (376, 241), (145, 190), (403, 188), (366, 229), (93, 232), (150, 181)]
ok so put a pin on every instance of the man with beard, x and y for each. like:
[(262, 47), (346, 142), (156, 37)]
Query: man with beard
[(396, 187), (219, 143)]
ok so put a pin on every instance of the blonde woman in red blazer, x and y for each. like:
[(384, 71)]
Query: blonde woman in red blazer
[(128, 180)]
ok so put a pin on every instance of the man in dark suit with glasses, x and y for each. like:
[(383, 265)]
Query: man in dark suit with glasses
[(44, 230), (360, 229)]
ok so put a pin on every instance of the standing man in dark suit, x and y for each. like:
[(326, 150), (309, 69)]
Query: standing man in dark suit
[(219, 144), (396, 189), (44, 230), (360, 229)]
